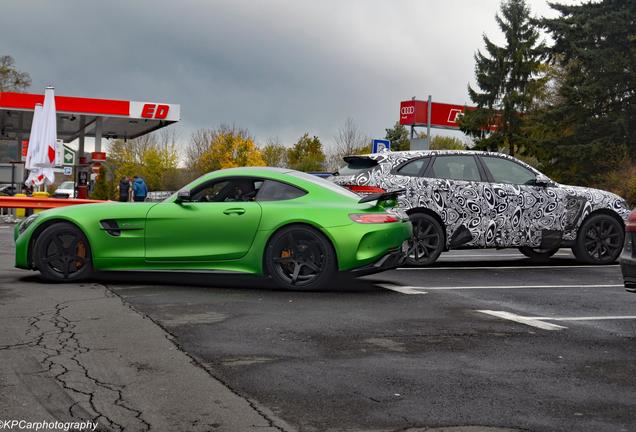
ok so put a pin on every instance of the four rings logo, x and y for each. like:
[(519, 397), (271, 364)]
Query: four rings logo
[(406, 110)]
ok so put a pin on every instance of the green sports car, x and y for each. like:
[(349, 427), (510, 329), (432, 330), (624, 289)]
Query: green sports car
[(297, 229)]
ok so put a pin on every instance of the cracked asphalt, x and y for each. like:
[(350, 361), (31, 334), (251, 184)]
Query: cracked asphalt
[(407, 350)]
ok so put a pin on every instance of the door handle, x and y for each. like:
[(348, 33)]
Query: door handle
[(238, 211)]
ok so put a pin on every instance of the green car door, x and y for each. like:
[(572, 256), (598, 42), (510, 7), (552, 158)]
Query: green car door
[(215, 221)]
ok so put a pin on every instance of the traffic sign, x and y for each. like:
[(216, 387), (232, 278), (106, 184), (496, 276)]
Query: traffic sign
[(379, 145), (68, 170), (69, 156)]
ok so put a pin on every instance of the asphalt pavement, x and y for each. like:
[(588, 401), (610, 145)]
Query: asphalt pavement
[(482, 339)]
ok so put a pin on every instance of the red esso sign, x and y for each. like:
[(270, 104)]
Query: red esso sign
[(412, 112), (155, 111)]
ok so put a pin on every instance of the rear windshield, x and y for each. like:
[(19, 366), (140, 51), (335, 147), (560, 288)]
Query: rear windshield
[(325, 183), (357, 165)]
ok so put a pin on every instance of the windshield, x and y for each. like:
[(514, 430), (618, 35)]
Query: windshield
[(66, 185)]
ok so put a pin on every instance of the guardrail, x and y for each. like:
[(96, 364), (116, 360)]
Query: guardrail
[(42, 203)]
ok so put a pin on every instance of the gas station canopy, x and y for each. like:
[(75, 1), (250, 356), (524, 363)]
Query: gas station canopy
[(78, 116)]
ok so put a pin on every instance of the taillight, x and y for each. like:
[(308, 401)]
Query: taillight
[(364, 189), (372, 218), (630, 226)]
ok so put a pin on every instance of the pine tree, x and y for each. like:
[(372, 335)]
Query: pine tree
[(590, 128), (507, 78), (399, 137)]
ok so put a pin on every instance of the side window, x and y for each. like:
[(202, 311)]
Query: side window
[(237, 189), (506, 171), (277, 191), (459, 167), (413, 168)]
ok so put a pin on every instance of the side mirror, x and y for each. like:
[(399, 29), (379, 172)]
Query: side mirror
[(183, 196), (542, 181)]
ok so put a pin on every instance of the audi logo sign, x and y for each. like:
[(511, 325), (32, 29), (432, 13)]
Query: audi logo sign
[(413, 112)]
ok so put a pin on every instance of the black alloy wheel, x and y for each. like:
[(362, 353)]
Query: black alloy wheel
[(427, 242), (599, 240), (62, 253), (301, 258), (538, 254)]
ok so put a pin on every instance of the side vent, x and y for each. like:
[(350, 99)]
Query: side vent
[(111, 227)]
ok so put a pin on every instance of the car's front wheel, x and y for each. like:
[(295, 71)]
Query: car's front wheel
[(538, 254), (299, 257), (62, 254), (599, 240), (427, 242)]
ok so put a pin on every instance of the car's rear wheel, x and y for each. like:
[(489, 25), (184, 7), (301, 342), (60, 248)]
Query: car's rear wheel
[(62, 254), (427, 242), (300, 258), (599, 240), (538, 254)]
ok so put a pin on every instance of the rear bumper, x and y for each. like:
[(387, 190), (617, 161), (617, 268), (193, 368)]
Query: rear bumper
[(389, 261)]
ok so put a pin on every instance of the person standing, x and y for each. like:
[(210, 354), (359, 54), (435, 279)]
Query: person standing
[(140, 190), (124, 189)]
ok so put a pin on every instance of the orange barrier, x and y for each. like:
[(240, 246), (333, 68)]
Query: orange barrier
[(42, 203)]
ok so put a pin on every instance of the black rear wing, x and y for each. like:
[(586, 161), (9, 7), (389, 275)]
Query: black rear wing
[(384, 196)]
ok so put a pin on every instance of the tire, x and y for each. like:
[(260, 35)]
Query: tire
[(537, 254), (62, 254), (599, 240), (300, 258), (427, 242)]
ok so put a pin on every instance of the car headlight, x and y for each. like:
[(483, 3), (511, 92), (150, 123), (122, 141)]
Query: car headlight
[(26, 222)]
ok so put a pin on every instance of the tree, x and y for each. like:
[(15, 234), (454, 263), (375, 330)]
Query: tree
[(399, 137), (590, 128), (274, 153), (11, 79), (223, 147), (508, 78), (439, 142), (307, 154), (153, 157), (105, 186), (349, 141)]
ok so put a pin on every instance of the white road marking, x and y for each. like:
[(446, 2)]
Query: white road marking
[(467, 287), (523, 320), (404, 289), (588, 318), (508, 267)]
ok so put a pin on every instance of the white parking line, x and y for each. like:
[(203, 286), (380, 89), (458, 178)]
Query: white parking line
[(403, 289), (539, 322), (468, 287), (554, 267), (523, 320)]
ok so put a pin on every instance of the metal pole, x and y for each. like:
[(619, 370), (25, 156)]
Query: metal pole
[(428, 122), (98, 134)]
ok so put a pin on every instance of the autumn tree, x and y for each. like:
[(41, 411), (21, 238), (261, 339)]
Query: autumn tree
[(12, 79), (274, 153), (154, 157), (229, 147), (399, 137), (507, 79), (307, 154)]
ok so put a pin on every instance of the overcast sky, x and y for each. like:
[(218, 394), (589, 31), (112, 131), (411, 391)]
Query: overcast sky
[(277, 68)]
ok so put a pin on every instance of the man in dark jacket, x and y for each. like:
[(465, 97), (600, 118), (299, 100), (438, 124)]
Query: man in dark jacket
[(140, 190), (124, 189)]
